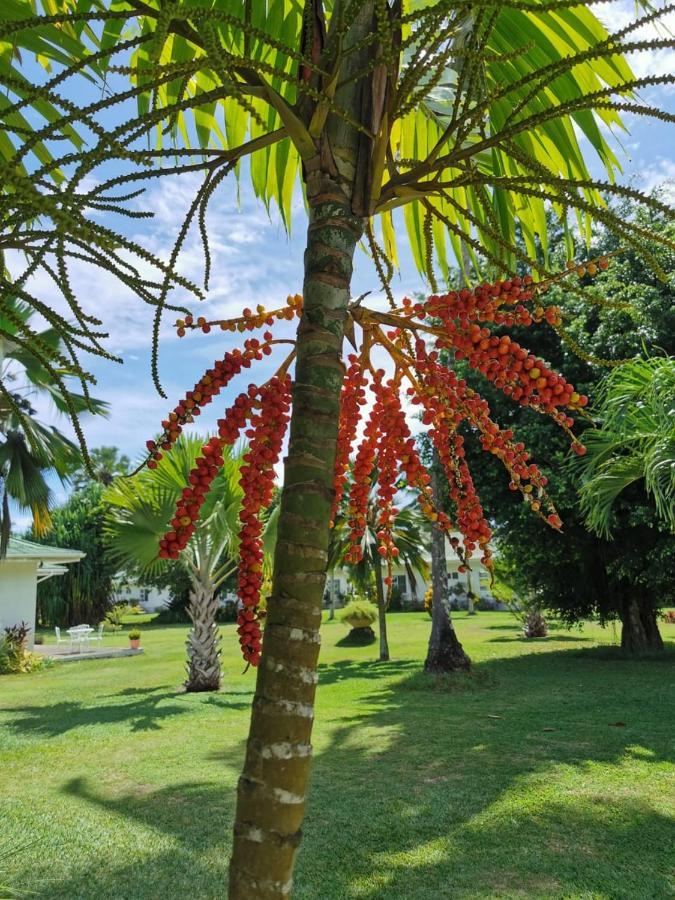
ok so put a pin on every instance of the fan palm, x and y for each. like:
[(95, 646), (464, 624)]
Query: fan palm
[(410, 534), (635, 441), (138, 511), (467, 116), (30, 449)]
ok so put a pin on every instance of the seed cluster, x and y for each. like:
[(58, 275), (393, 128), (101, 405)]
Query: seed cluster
[(417, 337)]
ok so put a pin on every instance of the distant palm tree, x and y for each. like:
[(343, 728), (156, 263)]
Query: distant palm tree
[(106, 464), (409, 534), (635, 441), (139, 512), (30, 449)]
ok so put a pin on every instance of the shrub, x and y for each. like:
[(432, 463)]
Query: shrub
[(14, 656), (113, 618), (669, 616), (135, 610), (134, 634), (359, 609)]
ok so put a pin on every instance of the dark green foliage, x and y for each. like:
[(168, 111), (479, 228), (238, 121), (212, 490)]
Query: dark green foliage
[(85, 593), (578, 574)]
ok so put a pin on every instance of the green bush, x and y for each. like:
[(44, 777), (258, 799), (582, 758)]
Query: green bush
[(135, 610), (359, 609), (15, 658), (134, 634)]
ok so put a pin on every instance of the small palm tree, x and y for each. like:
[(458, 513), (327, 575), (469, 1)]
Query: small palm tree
[(635, 441), (409, 534), (138, 515), (29, 449)]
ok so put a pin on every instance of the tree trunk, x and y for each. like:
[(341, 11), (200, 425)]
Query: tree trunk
[(203, 643), (331, 614), (273, 784), (445, 653), (639, 629), (381, 608), (271, 793)]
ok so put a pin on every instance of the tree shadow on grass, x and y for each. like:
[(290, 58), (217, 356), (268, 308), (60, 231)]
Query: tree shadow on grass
[(346, 669), (498, 792), (551, 638), (142, 709)]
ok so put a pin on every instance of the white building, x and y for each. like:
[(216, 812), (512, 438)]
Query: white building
[(152, 599), (476, 580), (25, 565)]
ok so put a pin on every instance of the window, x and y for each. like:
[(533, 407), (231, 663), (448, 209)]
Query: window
[(145, 595), (454, 576), (400, 584)]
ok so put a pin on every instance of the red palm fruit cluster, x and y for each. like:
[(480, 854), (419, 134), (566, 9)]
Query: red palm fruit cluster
[(387, 470), (352, 398), (415, 473), (467, 404), (447, 402), (521, 375), (206, 468), (209, 386), (248, 321), (357, 507), (266, 434)]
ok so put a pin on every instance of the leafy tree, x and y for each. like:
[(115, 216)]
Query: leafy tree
[(579, 574), (464, 116), (29, 448), (85, 592), (105, 464), (138, 511), (409, 535)]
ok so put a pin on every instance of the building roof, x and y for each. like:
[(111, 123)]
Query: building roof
[(18, 549)]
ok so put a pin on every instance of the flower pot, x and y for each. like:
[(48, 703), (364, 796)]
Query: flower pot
[(134, 643), (356, 622)]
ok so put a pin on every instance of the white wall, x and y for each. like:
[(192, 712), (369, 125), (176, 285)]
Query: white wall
[(136, 593), (18, 587)]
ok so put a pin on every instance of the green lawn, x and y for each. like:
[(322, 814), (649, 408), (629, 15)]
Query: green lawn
[(549, 774)]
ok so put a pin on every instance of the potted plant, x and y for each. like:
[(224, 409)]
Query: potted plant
[(134, 638)]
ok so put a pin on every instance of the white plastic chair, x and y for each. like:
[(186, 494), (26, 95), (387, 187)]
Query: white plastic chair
[(62, 640), (97, 635)]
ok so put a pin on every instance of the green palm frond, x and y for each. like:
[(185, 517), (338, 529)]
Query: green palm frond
[(635, 441), (140, 508)]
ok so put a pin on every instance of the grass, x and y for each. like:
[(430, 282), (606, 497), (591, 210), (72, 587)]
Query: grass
[(546, 774)]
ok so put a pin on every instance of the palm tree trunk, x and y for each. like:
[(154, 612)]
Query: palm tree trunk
[(445, 653), (273, 784), (203, 643), (381, 608), (272, 787)]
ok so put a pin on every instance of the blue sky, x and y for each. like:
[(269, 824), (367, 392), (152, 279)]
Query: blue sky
[(255, 261)]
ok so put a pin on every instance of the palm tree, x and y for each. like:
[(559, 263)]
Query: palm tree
[(139, 510), (409, 534), (106, 463), (465, 117), (29, 448), (635, 441)]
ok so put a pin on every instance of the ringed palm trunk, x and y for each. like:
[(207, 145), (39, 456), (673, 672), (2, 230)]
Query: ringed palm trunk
[(381, 608), (445, 653), (203, 643), (273, 785)]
